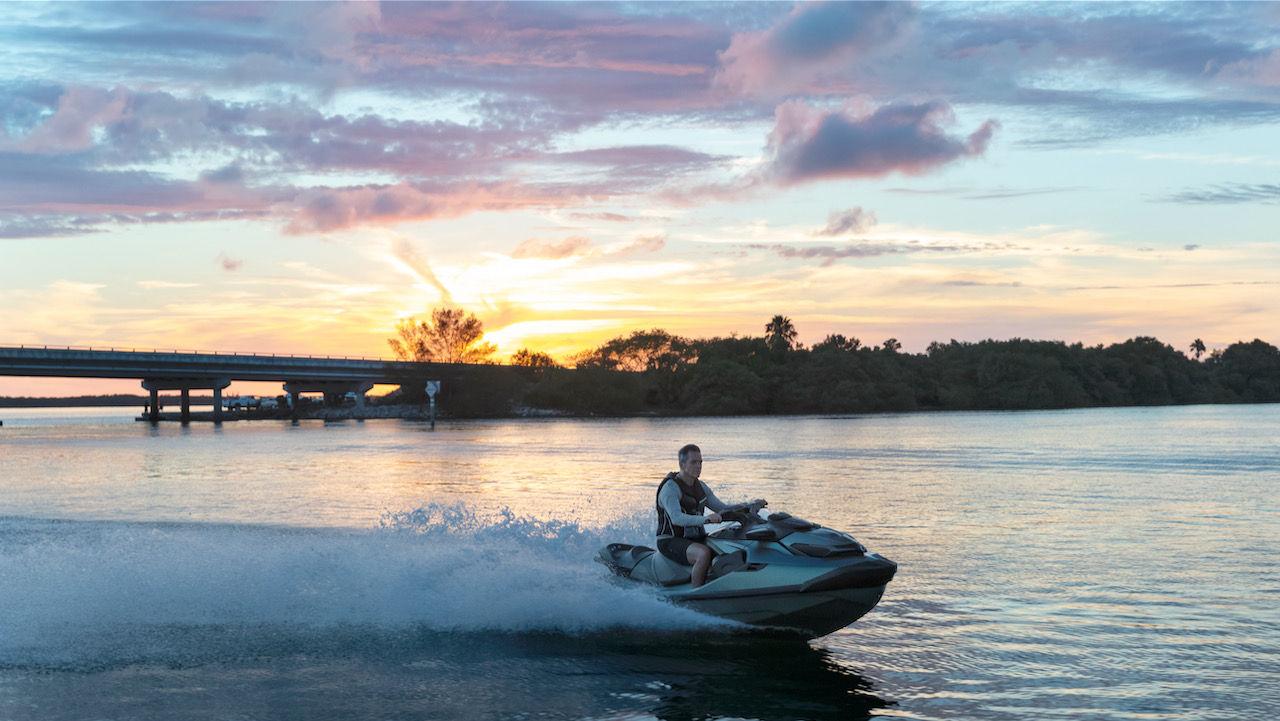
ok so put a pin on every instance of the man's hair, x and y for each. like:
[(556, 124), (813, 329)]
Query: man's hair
[(683, 454)]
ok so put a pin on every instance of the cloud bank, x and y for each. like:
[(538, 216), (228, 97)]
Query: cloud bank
[(325, 117)]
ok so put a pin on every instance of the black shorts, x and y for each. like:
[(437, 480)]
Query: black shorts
[(676, 549)]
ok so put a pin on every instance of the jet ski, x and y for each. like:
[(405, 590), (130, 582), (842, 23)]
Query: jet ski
[(779, 572)]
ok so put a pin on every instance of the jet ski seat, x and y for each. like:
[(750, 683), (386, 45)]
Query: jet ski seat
[(645, 564), (669, 573)]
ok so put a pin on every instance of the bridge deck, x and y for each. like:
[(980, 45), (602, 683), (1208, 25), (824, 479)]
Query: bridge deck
[(97, 363)]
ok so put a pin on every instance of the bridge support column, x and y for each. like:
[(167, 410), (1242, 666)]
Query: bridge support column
[(330, 389), (155, 385), (217, 405)]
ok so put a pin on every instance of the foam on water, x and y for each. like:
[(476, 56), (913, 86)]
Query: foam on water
[(76, 591)]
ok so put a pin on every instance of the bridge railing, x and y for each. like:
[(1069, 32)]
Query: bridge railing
[(228, 354)]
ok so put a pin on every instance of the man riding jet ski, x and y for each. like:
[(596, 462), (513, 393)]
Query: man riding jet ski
[(778, 572)]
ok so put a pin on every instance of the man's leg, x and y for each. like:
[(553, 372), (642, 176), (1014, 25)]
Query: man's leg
[(700, 558)]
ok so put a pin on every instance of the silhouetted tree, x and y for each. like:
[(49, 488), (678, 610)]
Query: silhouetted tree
[(780, 333), (450, 337), (836, 341), (643, 350), (892, 345), (532, 359), (1251, 371), (1197, 347)]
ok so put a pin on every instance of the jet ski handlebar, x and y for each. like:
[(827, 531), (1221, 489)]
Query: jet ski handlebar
[(744, 513)]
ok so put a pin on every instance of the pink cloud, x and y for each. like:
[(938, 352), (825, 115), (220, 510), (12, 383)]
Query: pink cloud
[(552, 250), (810, 144), (329, 209), (230, 264), (1263, 72), (815, 39), (71, 126), (645, 244), (595, 59)]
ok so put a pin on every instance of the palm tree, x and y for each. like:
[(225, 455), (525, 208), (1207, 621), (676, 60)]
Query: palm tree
[(780, 333), (1197, 347)]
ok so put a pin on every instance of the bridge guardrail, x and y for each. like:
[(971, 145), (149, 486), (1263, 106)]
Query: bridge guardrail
[(176, 351)]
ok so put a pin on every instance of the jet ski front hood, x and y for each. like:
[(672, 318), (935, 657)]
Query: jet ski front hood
[(789, 555)]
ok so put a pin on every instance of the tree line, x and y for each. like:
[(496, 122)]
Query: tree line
[(654, 371)]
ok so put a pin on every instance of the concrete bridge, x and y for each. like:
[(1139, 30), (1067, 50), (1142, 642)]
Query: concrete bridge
[(187, 370)]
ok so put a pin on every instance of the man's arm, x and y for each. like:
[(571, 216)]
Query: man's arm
[(669, 499), (713, 503), (718, 505)]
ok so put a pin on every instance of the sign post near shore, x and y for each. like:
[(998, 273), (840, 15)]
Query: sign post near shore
[(433, 387)]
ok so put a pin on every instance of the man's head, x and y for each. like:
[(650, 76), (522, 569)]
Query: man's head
[(690, 458)]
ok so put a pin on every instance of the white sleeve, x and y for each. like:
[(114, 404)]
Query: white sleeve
[(669, 499), (713, 503)]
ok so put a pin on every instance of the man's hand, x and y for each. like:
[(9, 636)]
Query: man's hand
[(714, 518), (759, 503)]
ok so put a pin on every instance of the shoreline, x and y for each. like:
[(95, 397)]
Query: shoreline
[(404, 411), (414, 412)]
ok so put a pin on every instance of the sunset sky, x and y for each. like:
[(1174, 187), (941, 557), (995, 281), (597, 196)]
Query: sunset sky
[(295, 178)]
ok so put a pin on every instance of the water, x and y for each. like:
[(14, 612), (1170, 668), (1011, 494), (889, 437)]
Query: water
[(1092, 564)]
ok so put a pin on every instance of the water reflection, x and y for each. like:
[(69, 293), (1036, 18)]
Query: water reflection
[(280, 672), (711, 675)]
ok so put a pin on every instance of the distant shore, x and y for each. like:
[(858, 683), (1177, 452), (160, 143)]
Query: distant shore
[(100, 401)]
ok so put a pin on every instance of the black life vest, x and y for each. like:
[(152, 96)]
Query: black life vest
[(692, 501)]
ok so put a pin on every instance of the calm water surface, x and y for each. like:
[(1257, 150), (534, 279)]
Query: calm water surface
[(1093, 564)]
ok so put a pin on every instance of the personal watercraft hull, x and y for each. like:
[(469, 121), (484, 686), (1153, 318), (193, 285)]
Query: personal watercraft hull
[(784, 573), (811, 613)]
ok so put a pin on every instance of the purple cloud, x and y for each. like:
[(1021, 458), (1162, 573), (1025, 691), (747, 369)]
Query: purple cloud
[(15, 225), (1229, 194), (27, 225), (72, 184), (815, 39), (829, 254), (648, 164), (230, 264), (809, 144), (853, 220)]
